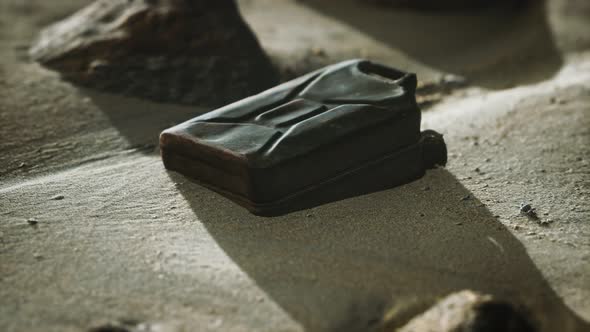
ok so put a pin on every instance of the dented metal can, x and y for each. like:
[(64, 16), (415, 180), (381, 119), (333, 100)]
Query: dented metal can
[(344, 130)]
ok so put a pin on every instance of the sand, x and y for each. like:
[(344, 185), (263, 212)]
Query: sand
[(132, 241)]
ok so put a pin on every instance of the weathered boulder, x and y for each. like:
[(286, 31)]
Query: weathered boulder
[(179, 51)]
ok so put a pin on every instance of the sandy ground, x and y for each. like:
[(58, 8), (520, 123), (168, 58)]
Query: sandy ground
[(131, 241)]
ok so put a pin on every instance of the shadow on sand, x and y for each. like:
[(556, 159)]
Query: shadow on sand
[(342, 266), (495, 48), (140, 121)]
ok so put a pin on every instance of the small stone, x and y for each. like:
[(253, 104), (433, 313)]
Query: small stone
[(32, 221), (426, 188), (466, 198), (318, 51), (22, 165), (37, 255), (468, 311), (458, 223), (529, 211), (58, 197), (525, 208)]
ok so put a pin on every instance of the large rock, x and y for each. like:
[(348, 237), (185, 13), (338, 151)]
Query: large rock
[(180, 51)]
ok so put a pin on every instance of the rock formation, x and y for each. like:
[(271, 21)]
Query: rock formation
[(178, 51)]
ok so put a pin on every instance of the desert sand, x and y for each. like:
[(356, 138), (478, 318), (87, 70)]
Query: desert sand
[(94, 230)]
